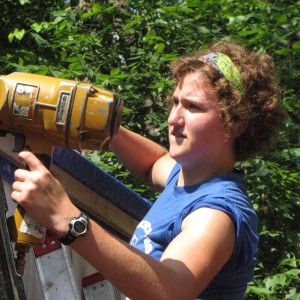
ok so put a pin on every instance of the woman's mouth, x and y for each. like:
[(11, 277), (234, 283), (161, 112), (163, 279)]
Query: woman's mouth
[(177, 134)]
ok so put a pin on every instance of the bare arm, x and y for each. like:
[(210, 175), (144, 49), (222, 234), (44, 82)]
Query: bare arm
[(189, 263), (144, 158)]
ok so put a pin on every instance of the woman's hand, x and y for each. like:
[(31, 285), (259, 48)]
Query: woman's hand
[(42, 196)]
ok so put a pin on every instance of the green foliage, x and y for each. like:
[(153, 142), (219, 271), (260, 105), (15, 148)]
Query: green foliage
[(274, 188), (128, 49)]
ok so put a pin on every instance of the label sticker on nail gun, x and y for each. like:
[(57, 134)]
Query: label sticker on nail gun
[(24, 99), (31, 227), (61, 113)]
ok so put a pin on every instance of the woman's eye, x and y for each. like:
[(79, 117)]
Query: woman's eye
[(175, 102), (194, 107)]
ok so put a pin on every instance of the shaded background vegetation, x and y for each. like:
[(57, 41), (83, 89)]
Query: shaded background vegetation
[(126, 46)]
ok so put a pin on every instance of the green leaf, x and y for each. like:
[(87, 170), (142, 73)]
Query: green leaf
[(160, 47), (39, 39), (24, 1), (283, 51), (21, 61), (114, 72), (293, 295), (278, 279), (261, 291), (36, 27), (18, 34), (203, 29), (293, 272), (296, 45)]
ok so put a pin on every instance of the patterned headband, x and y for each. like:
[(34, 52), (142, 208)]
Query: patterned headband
[(224, 65)]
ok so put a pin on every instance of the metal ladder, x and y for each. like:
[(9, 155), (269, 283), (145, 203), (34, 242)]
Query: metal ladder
[(52, 265), (51, 270)]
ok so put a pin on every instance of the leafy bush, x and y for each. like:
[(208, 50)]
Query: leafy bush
[(127, 49)]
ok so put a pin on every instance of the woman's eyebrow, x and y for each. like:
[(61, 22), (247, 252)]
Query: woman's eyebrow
[(192, 99)]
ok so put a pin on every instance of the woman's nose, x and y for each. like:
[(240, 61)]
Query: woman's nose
[(176, 116)]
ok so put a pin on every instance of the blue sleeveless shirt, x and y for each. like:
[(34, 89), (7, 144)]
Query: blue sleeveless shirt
[(225, 193)]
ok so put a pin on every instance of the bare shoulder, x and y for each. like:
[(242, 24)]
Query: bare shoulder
[(161, 171), (206, 216)]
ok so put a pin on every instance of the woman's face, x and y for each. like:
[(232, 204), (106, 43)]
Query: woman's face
[(196, 131)]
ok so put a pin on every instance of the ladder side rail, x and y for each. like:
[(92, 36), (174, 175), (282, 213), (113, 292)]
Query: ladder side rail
[(11, 284)]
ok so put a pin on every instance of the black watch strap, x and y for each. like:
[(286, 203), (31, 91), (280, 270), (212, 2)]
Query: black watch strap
[(67, 239), (73, 234)]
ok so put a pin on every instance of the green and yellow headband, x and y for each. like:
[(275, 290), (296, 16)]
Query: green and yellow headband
[(224, 65)]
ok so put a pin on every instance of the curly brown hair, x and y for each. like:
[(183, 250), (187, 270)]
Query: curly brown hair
[(256, 112)]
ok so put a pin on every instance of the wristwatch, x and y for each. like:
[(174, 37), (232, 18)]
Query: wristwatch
[(77, 228)]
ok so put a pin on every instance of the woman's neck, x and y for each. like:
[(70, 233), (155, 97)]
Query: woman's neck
[(190, 175)]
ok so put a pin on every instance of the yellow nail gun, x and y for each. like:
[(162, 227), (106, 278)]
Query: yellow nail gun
[(43, 111)]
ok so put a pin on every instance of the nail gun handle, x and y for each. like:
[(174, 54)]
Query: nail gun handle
[(29, 232)]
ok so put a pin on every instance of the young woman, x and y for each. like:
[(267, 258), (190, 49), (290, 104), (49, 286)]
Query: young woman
[(199, 240)]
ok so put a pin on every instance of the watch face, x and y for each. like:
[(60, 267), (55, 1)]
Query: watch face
[(79, 227)]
